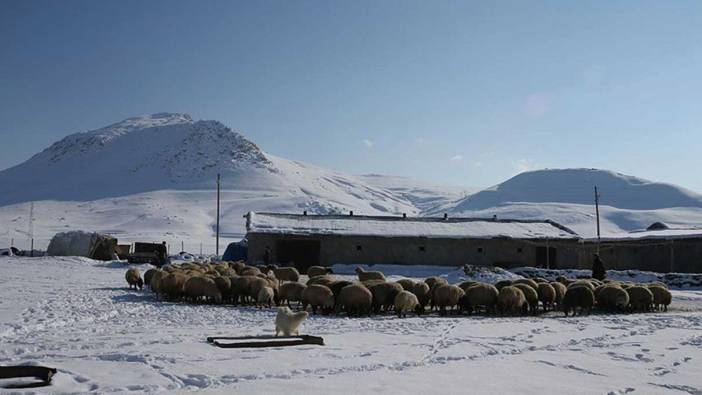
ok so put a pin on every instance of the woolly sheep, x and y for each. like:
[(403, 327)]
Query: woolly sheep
[(406, 283), (287, 322), (560, 291), (503, 283), (446, 296), (661, 297), (579, 297), (237, 266), (406, 301), (323, 280), (384, 295), (640, 298), (173, 285), (147, 276), (224, 284), (265, 297), (337, 285), (479, 295), (531, 296), (612, 297), (540, 280), (155, 283), (547, 295), (364, 275), (422, 292), (657, 284), (286, 274), (249, 271), (202, 287), (314, 271), (581, 283), (511, 300), (291, 292), (431, 281), (533, 284), (133, 278), (467, 284), (355, 299), (318, 296)]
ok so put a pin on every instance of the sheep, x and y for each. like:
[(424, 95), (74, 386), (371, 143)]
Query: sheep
[(406, 301), (581, 283), (337, 285), (155, 283), (540, 280), (355, 299), (265, 297), (467, 284), (422, 292), (431, 281), (384, 295), (533, 284), (224, 284), (612, 297), (578, 297), (661, 297), (237, 266), (511, 300), (173, 285), (314, 271), (407, 284), (291, 292), (364, 275), (148, 275), (547, 295), (560, 291), (322, 280), (640, 298), (286, 274), (255, 286), (197, 287), (657, 284), (531, 296), (503, 283), (479, 295), (241, 288), (446, 296), (133, 278), (317, 295), (249, 271), (287, 322)]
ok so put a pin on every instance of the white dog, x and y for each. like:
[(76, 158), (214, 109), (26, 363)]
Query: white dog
[(287, 322)]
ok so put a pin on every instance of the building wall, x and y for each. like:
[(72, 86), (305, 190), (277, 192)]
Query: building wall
[(390, 250), (663, 256)]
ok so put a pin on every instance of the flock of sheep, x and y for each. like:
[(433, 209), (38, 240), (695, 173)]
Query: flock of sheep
[(238, 283)]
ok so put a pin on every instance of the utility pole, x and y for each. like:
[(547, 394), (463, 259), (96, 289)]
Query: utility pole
[(217, 241), (31, 229), (597, 212)]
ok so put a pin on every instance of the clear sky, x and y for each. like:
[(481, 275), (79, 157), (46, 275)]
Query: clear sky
[(466, 93)]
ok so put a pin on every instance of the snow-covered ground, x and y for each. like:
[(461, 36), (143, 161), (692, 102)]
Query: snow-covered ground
[(78, 316)]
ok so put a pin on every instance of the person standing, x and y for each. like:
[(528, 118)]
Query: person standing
[(598, 269)]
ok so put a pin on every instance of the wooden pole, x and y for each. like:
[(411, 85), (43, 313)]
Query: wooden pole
[(217, 241), (597, 211)]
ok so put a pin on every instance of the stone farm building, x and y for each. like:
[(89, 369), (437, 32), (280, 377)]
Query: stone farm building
[(305, 240)]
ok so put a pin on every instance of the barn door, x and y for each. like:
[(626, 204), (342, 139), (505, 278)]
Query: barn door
[(301, 253), (542, 260)]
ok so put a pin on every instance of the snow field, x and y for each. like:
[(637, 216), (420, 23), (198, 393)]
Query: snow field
[(77, 315)]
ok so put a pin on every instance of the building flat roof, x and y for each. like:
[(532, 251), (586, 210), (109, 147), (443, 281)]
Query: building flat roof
[(396, 226), (663, 234)]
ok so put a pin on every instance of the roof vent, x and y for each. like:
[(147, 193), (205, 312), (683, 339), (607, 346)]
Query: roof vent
[(658, 226)]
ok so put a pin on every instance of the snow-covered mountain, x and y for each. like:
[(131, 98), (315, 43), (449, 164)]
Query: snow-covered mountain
[(154, 176), (567, 196)]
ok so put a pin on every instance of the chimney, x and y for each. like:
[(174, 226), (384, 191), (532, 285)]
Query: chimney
[(445, 216), (304, 212), (351, 213)]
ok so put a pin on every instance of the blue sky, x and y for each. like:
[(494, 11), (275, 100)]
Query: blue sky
[(467, 93)]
